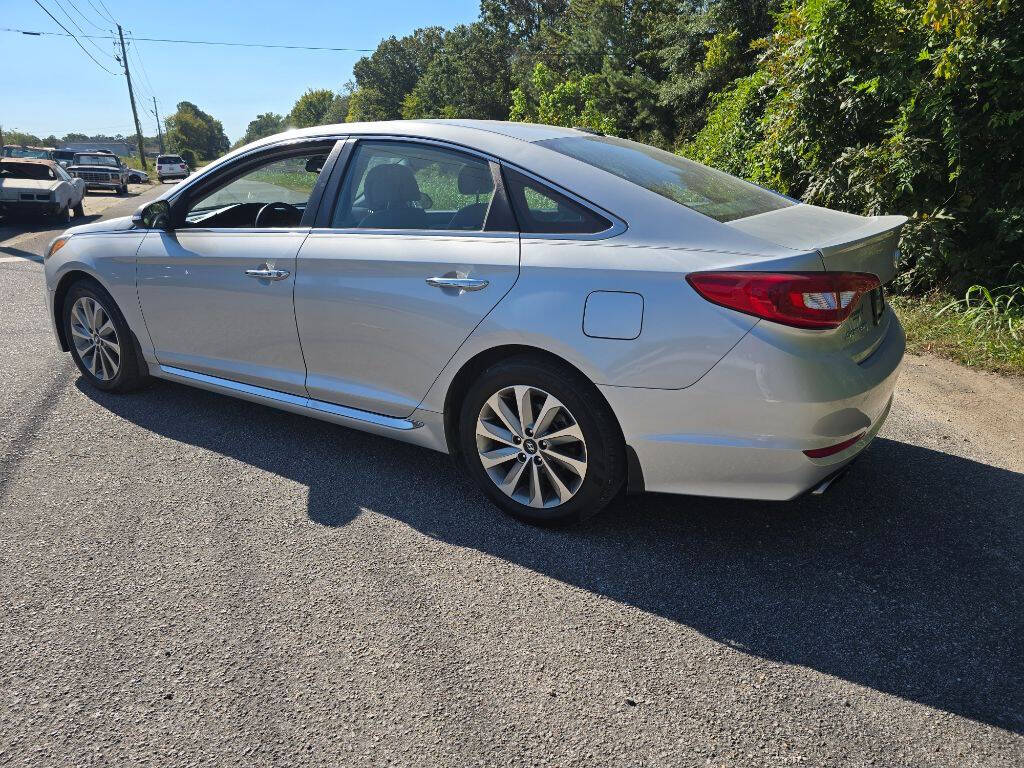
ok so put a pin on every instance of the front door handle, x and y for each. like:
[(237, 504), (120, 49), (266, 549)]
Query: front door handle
[(461, 283), (268, 274)]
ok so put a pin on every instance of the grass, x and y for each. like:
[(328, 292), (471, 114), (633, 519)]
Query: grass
[(973, 331)]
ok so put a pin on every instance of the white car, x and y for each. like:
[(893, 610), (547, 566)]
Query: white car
[(39, 187), (171, 167)]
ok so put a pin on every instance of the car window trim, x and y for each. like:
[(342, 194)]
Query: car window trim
[(323, 220), (349, 140), (618, 226), (236, 169)]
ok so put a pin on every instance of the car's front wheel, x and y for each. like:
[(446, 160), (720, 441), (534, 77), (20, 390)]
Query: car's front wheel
[(541, 441), (101, 342)]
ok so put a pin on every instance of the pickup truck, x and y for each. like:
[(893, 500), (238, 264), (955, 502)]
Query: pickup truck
[(100, 170)]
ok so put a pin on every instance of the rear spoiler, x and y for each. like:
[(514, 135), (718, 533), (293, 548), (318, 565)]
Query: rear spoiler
[(872, 247)]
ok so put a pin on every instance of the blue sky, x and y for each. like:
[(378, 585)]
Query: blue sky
[(47, 85)]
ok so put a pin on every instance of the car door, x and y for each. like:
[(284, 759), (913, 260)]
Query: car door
[(418, 246), (216, 291)]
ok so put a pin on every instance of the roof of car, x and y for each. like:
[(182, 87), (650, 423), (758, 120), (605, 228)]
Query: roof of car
[(38, 160)]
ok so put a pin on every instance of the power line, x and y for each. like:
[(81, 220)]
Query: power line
[(84, 49), (79, 28), (138, 58), (89, 21), (199, 42), (109, 14), (108, 18)]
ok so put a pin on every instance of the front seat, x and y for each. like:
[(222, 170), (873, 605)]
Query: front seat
[(392, 195), (473, 180)]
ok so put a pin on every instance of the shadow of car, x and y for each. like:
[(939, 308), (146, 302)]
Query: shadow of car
[(914, 592)]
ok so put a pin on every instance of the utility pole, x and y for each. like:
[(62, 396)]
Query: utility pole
[(131, 95), (159, 130)]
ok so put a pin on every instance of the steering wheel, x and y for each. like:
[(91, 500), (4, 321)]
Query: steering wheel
[(285, 213)]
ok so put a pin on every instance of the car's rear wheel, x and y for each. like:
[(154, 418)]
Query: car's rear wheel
[(541, 442), (79, 209), (101, 343)]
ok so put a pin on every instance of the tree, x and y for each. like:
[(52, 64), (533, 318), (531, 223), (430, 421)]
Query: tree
[(384, 78), (318, 107), (264, 125), (191, 128), (468, 77)]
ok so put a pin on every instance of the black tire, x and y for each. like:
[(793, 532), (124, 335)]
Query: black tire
[(131, 370), (605, 449), (79, 209), (61, 216)]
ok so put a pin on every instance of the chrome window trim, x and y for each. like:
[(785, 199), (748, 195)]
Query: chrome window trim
[(619, 226), (448, 233)]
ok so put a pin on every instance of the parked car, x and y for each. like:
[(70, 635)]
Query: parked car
[(171, 167), (64, 156), (22, 150), (30, 187), (135, 176), (566, 313), (100, 170)]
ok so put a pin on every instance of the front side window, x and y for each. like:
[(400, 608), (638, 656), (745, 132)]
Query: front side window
[(404, 185), (273, 194), (714, 193)]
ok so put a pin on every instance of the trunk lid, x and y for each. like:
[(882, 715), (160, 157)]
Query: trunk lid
[(847, 242)]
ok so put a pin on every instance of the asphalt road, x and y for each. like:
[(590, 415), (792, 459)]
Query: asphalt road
[(194, 580)]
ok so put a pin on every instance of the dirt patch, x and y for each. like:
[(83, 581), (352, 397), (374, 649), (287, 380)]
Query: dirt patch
[(986, 408)]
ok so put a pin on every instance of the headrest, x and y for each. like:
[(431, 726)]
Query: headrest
[(389, 185), (474, 180)]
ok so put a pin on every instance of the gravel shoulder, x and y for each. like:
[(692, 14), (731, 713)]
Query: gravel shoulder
[(190, 580)]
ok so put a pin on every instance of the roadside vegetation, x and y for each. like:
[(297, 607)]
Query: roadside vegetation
[(983, 329)]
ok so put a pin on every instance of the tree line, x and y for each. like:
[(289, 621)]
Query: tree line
[(868, 106)]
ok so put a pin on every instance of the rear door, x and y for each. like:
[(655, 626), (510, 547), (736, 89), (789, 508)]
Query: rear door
[(418, 246)]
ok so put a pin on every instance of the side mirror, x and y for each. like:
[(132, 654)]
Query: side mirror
[(155, 215)]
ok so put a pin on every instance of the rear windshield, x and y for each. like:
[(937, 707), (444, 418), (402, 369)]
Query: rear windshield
[(169, 160), (714, 193), (96, 160), (63, 154), (40, 154), (35, 171)]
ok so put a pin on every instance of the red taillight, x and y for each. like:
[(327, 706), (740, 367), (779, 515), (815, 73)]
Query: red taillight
[(821, 453), (799, 299)]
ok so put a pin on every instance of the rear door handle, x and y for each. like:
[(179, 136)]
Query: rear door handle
[(268, 274), (462, 283)]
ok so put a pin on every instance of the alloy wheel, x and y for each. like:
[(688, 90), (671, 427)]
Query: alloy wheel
[(531, 446), (95, 338)]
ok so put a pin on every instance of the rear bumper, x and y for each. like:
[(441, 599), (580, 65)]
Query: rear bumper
[(29, 207), (740, 432)]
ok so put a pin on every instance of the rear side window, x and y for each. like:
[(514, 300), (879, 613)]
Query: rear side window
[(405, 185), (714, 193), (542, 210)]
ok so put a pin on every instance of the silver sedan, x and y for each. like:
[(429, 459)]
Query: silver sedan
[(570, 315)]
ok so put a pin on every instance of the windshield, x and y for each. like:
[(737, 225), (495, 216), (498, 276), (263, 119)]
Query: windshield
[(41, 154), (34, 171), (96, 160), (714, 193)]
